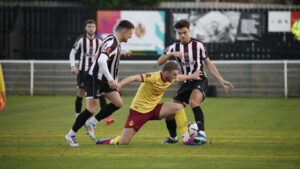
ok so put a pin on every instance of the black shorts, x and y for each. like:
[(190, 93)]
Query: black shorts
[(94, 88), (184, 92), (80, 79)]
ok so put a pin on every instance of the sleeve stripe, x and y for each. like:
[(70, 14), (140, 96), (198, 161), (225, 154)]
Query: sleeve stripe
[(142, 77)]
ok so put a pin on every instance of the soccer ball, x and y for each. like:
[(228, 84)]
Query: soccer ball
[(193, 129)]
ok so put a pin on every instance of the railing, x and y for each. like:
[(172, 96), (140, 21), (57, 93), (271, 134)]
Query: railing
[(250, 78)]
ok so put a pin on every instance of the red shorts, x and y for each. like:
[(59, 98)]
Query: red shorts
[(136, 120)]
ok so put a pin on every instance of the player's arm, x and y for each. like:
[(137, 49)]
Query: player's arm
[(72, 57), (72, 61), (102, 61), (126, 53), (130, 79), (214, 71), (165, 57), (195, 76)]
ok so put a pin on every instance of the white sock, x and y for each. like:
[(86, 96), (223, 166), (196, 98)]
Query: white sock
[(174, 138), (93, 121), (185, 137), (71, 133), (202, 132), (77, 114)]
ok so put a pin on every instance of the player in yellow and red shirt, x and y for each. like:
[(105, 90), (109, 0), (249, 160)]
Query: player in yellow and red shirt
[(145, 105)]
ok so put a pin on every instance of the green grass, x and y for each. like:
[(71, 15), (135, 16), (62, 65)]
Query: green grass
[(243, 133)]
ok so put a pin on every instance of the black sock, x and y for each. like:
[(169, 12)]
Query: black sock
[(81, 119), (172, 126), (199, 117), (106, 111), (78, 104), (102, 101)]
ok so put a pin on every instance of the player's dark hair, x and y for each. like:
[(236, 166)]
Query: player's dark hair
[(169, 66), (124, 24), (90, 21), (182, 23)]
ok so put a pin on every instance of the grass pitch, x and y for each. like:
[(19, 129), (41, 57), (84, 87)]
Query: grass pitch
[(243, 133)]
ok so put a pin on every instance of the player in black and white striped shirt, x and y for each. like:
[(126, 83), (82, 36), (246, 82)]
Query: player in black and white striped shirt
[(102, 77), (190, 55), (86, 46)]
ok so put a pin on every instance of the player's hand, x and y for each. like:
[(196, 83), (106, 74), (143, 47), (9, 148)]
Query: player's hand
[(113, 85), (74, 70), (126, 53), (196, 75), (227, 86), (118, 88), (177, 54)]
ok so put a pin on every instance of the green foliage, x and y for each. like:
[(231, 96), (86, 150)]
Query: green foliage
[(243, 133)]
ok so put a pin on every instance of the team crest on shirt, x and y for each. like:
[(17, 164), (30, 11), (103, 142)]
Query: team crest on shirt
[(187, 64), (148, 75), (186, 55), (75, 45), (131, 123)]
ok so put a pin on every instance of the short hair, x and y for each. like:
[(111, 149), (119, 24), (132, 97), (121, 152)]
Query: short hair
[(90, 21), (182, 23), (124, 24), (169, 66)]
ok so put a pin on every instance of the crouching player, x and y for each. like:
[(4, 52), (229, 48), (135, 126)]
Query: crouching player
[(145, 105)]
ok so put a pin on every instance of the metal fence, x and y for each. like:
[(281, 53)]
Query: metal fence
[(250, 78)]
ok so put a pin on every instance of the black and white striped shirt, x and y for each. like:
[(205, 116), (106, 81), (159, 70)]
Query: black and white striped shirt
[(193, 55), (112, 49), (87, 49)]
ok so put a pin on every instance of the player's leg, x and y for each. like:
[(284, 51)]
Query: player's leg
[(102, 101), (172, 123), (78, 102), (107, 110), (180, 116), (92, 88), (181, 97), (196, 98), (168, 111), (92, 105), (171, 126), (134, 122), (181, 122), (126, 136), (80, 93)]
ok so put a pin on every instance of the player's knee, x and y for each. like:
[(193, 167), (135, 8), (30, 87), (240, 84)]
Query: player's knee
[(92, 110), (119, 104), (195, 102), (178, 107), (123, 142), (80, 92)]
